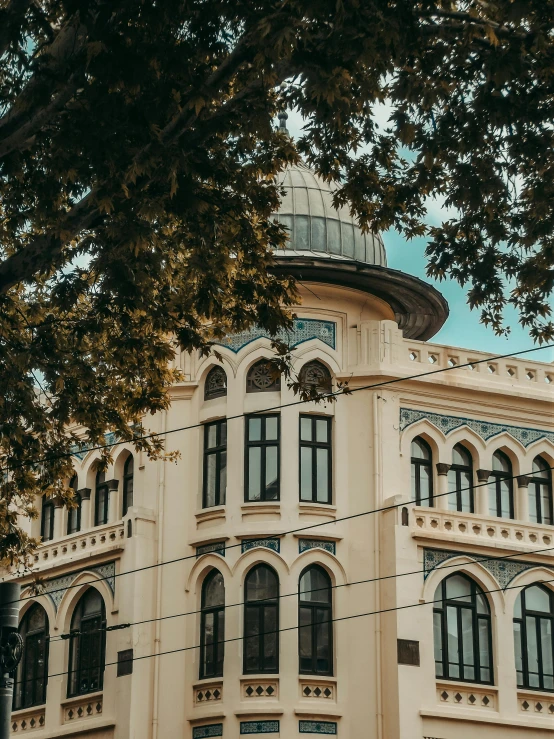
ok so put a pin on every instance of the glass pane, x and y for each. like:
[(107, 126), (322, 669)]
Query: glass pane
[(208, 641), (468, 658), (452, 487), (322, 640), (92, 603), (414, 482), (261, 584), (458, 587), (305, 473), (484, 651), (305, 639), (500, 463), (322, 460), (546, 504), (315, 586), (211, 439), (254, 472), (220, 646), (540, 468), (270, 638), (465, 483), (532, 652), (437, 639), (546, 644), (306, 429), (533, 512), (254, 429), (252, 642), (505, 499), (537, 599), (420, 450), (493, 510), (271, 428), (321, 430), (223, 433), (214, 591), (211, 469), (425, 485), (518, 652), (222, 477), (460, 456), (453, 641), (271, 473), (482, 605)]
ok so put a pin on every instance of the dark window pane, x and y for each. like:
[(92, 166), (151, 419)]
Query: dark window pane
[(305, 639), (252, 641), (532, 652), (254, 473), (210, 484), (322, 641), (305, 473), (437, 642), (322, 481), (271, 472), (270, 638), (222, 477)]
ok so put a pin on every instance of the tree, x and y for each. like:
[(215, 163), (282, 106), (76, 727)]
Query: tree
[(137, 180)]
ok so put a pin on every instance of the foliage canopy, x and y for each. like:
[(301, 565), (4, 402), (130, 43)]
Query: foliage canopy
[(137, 163)]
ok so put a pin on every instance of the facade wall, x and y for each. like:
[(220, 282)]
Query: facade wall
[(372, 431)]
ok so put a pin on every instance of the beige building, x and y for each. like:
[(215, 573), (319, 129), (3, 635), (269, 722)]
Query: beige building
[(251, 588)]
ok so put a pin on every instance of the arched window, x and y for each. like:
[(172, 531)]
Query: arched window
[(460, 481), (462, 631), (32, 672), (101, 499), (128, 484), (74, 514), (534, 638), (501, 492), (212, 626), (262, 378), (261, 621), (216, 383), (87, 645), (316, 378), (47, 519), (540, 493), (422, 472), (315, 626)]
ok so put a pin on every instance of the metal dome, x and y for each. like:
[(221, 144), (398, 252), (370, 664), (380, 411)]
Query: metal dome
[(316, 226)]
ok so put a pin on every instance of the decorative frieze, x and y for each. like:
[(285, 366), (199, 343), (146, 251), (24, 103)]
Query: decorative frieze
[(83, 709), (208, 693), (305, 544), (207, 731), (466, 697), (318, 727), (269, 543), (216, 547), (303, 330), (259, 727), (537, 705), (24, 723), (259, 689), (318, 689), (485, 429)]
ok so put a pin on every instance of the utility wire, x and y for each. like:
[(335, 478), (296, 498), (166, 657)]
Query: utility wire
[(270, 536), (117, 627), (294, 628), (337, 393)]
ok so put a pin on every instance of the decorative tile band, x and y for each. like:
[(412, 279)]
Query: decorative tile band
[(303, 329), (259, 727), (317, 727), (81, 452), (217, 547), (503, 571), (55, 588), (484, 429), (305, 544), (273, 544), (204, 732)]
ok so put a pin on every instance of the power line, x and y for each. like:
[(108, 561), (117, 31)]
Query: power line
[(277, 536), (294, 628), (313, 590), (337, 393)]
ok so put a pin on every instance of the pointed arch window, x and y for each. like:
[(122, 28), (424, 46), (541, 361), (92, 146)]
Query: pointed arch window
[(87, 645), (101, 499), (315, 626), (462, 631), (212, 626), (460, 481), (74, 514), (32, 672), (540, 493), (501, 492), (316, 378), (534, 638), (262, 378), (215, 385), (47, 519), (422, 472), (261, 621), (128, 473)]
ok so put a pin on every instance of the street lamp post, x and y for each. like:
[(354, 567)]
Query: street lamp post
[(11, 648)]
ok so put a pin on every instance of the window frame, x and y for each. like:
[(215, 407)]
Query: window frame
[(101, 485), (98, 631), (264, 444), (495, 479), (537, 616), (417, 463), (218, 451), (260, 607), (47, 503), (458, 470), (312, 607), (218, 642), (74, 511), (476, 617), (126, 477), (536, 483), (314, 446), (35, 635)]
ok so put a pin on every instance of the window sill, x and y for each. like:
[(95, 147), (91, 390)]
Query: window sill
[(68, 702), (269, 510), (215, 513), (317, 509)]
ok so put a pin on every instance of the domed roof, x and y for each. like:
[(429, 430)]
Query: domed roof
[(316, 226)]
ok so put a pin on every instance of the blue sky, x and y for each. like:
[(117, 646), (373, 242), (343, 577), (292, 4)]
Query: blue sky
[(462, 328)]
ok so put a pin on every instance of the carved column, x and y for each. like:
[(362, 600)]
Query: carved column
[(522, 498), (442, 472), (113, 509), (86, 521), (482, 493)]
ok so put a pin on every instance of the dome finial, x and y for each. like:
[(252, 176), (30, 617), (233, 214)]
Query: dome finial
[(283, 117)]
